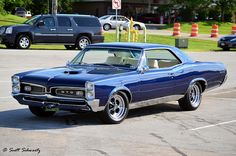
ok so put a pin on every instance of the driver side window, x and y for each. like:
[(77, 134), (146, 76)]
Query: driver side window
[(49, 22), (161, 58)]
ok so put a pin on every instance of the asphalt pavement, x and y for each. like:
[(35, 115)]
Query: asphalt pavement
[(157, 130)]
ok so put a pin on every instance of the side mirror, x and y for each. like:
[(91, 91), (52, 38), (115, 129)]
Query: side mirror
[(143, 69), (40, 23), (68, 63)]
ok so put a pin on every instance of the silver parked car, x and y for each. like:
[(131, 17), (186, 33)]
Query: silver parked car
[(109, 22)]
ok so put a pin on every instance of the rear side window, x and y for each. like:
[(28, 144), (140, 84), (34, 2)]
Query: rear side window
[(87, 22), (64, 21)]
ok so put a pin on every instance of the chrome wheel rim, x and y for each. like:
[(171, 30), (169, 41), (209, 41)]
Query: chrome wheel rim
[(24, 42), (83, 43), (106, 27), (195, 96), (116, 107)]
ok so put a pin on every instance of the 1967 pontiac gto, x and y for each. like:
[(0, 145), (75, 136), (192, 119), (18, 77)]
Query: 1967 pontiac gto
[(111, 78)]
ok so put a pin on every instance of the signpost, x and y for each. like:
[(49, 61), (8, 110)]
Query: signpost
[(116, 4)]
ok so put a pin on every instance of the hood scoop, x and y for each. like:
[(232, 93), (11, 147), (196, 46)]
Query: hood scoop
[(72, 72)]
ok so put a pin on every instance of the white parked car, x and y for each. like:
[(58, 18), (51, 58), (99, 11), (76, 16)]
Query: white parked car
[(109, 22)]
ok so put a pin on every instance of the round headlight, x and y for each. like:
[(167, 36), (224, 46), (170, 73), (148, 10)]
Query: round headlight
[(16, 89), (89, 86), (15, 79), (90, 95)]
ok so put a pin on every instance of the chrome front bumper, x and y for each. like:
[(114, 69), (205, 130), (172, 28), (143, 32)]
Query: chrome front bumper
[(63, 103)]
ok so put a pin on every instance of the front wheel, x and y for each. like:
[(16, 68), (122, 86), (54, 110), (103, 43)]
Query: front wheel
[(82, 42), (192, 99), (116, 109), (41, 112), (23, 42)]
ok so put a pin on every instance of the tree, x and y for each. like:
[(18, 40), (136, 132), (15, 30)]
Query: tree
[(2, 7), (189, 8), (225, 7)]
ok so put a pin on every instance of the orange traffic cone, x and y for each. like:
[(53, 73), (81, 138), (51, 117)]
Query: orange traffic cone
[(176, 29), (234, 29), (194, 31), (214, 31)]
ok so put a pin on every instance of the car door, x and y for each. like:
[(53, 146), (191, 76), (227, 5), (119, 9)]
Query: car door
[(66, 30), (159, 81), (45, 30)]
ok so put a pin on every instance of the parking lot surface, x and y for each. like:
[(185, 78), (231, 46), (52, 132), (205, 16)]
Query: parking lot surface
[(156, 130)]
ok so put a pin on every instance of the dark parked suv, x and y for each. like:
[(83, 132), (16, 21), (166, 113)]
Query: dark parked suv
[(74, 31)]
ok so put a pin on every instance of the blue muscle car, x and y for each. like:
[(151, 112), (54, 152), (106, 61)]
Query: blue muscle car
[(111, 78)]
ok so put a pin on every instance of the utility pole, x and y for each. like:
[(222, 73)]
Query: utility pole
[(54, 6)]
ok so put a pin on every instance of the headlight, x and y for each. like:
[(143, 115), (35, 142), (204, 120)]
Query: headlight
[(15, 84), (15, 79), (90, 90), (89, 86), (9, 30)]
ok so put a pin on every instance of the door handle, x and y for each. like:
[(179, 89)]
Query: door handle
[(171, 74), (53, 29), (69, 29)]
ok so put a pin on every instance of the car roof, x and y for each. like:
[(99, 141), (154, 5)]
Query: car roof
[(130, 45), (79, 15), (143, 46)]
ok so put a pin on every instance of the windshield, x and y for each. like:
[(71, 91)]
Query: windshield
[(108, 57), (32, 20)]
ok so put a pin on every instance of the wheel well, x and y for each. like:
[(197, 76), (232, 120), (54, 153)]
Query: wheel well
[(127, 93), (85, 34), (203, 84), (24, 33)]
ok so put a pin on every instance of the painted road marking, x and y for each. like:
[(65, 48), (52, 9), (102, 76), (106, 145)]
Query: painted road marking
[(213, 125)]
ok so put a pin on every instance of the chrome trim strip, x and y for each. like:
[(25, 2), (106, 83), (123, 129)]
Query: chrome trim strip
[(155, 101)]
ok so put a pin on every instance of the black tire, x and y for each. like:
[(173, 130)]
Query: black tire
[(70, 47), (40, 112), (106, 27), (137, 27), (192, 99), (226, 48), (23, 42), (9, 46), (106, 115), (82, 42)]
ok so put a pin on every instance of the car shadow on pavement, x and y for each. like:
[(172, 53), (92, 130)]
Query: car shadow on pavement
[(24, 120)]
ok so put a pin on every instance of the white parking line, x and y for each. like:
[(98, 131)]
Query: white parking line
[(213, 125)]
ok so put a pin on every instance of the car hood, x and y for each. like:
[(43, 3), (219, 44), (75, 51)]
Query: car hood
[(67, 76), (18, 25), (227, 38)]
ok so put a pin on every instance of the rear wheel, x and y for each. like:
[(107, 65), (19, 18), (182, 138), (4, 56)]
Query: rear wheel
[(106, 27), (116, 109), (23, 42), (40, 112), (82, 42), (192, 99), (70, 47)]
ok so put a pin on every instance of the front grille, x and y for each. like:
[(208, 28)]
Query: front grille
[(32, 89), (69, 92)]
